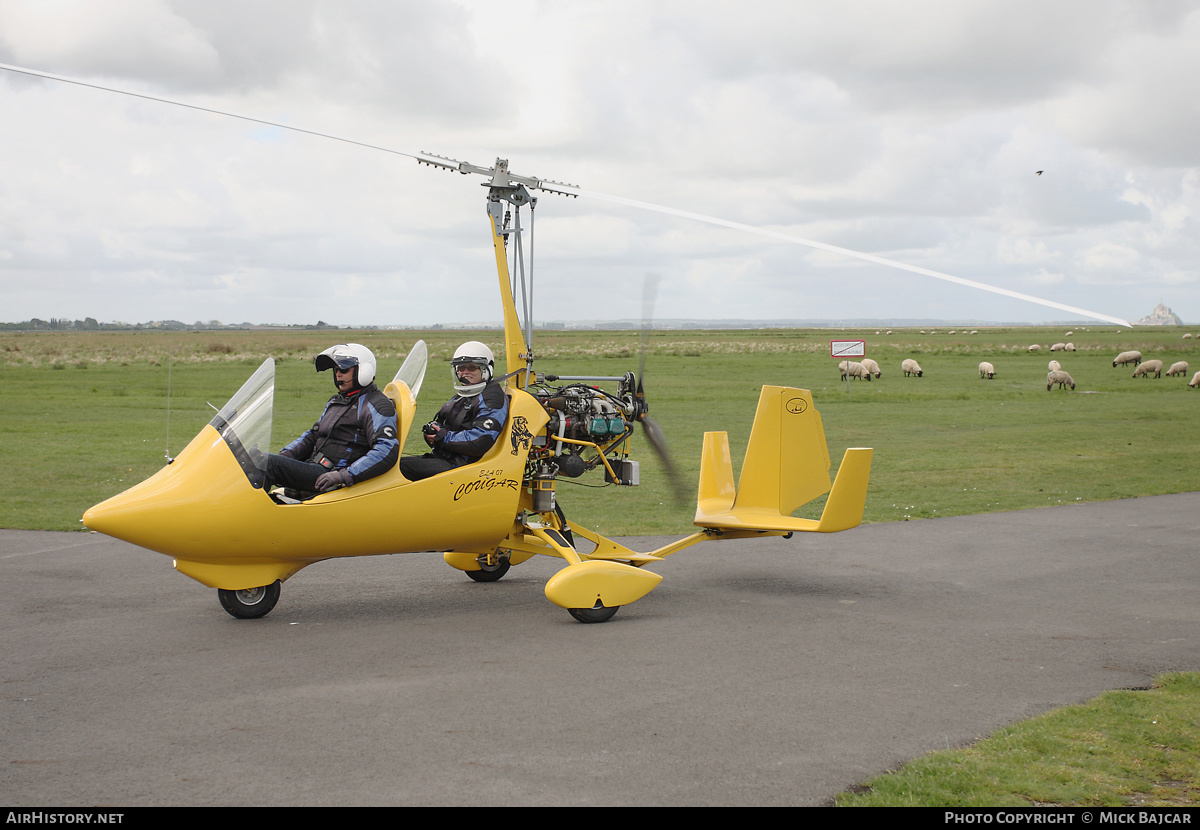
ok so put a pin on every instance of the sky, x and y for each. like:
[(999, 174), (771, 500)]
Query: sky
[(909, 131)]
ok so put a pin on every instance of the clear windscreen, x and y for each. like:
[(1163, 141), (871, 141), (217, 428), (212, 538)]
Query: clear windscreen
[(412, 372), (245, 421)]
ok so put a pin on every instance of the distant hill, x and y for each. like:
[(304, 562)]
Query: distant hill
[(1161, 316)]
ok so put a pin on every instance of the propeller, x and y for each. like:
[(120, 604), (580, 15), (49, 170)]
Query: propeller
[(651, 431)]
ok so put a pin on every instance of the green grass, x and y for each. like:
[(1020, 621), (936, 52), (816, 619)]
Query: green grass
[(87, 413), (1123, 749)]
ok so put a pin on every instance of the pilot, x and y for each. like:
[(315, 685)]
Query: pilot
[(469, 423), (355, 438)]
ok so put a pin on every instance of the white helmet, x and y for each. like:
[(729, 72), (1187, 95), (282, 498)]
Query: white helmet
[(478, 354), (345, 355)]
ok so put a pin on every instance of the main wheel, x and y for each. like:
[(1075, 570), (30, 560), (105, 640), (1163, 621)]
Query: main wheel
[(250, 603), (596, 614), (490, 573)]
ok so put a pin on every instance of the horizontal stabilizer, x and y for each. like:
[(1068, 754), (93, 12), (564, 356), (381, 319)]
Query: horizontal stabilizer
[(786, 466)]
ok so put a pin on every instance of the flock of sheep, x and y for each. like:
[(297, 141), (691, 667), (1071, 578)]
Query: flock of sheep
[(867, 368)]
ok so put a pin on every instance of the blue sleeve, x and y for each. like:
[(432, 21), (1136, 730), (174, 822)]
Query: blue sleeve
[(479, 436), (379, 422)]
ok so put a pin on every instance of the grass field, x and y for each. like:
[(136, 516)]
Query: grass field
[(89, 414)]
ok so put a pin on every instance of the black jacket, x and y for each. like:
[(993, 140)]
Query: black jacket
[(356, 432)]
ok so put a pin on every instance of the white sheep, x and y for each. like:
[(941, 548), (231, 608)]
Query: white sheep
[(854, 370), (1195, 384), (1035, 348), (1150, 366), (871, 366), (911, 367), (1179, 368), (1054, 366), (1070, 347), (1058, 347), (1127, 357), (986, 370), (1061, 378), (1187, 337)]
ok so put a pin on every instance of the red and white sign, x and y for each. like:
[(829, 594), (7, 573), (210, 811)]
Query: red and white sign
[(847, 348)]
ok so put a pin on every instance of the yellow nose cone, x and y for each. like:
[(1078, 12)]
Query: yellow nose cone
[(183, 504)]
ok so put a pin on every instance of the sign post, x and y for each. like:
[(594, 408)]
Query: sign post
[(846, 349)]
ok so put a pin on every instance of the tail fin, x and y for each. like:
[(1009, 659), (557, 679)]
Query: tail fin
[(786, 466)]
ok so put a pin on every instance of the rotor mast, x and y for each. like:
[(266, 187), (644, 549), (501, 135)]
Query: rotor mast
[(507, 188)]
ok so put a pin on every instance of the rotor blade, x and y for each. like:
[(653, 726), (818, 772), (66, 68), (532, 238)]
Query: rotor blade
[(916, 269), (157, 99), (572, 190)]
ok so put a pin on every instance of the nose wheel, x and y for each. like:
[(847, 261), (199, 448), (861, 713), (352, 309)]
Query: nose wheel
[(596, 614), (250, 603)]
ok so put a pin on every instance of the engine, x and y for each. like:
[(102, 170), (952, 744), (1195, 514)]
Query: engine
[(588, 426)]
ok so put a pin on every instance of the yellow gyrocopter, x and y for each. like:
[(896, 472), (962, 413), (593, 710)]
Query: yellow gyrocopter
[(208, 508), (209, 511)]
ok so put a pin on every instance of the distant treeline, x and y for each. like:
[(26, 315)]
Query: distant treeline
[(91, 324)]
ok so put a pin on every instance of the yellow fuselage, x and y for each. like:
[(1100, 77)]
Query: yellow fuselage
[(202, 510)]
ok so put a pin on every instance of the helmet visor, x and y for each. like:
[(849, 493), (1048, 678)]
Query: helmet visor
[(341, 361)]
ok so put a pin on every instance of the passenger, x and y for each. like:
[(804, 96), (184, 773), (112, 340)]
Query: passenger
[(470, 422), (355, 438)]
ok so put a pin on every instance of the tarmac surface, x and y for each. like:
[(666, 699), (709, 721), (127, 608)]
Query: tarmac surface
[(763, 672)]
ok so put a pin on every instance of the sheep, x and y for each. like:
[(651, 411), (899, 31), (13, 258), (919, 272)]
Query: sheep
[(854, 370), (1144, 369), (986, 370), (911, 367), (1070, 333), (1054, 366), (1058, 347), (1127, 357), (1070, 347), (1187, 337), (1195, 384), (1061, 378), (871, 366), (1179, 368), (1035, 348)]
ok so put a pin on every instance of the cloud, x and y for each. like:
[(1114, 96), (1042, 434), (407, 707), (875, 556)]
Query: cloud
[(907, 130)]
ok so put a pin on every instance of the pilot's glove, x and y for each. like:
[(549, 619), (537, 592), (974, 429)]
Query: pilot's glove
[(432, 430), (333, 480)]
